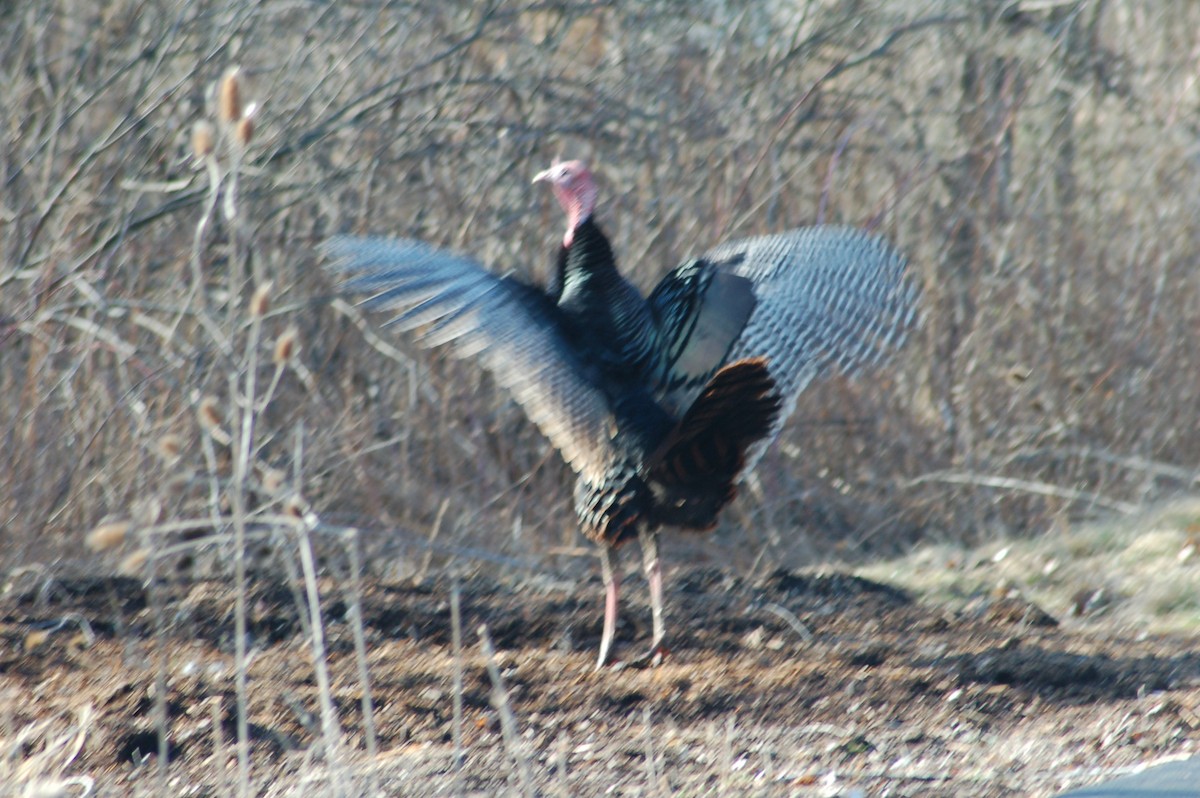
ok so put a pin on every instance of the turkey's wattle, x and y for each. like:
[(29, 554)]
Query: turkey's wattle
[(661, 405)]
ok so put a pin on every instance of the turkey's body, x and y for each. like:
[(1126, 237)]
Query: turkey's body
[(661, 404)]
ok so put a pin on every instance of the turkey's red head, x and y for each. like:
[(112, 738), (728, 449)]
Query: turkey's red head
[(576, 192)]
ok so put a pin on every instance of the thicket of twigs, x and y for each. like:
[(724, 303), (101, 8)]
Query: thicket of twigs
[(1038, 163)]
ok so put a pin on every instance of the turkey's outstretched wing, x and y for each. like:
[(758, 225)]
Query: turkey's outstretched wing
[(808, 301), (509, 326), (827, 299)]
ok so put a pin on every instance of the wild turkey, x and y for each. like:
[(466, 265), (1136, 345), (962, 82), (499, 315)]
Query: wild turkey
[(660, 404)]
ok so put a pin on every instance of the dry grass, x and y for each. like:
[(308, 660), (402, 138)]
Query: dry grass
[(170, 359), (1139, 573), (36, 757)]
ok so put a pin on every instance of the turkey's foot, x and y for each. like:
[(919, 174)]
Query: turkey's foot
[(652, 658)]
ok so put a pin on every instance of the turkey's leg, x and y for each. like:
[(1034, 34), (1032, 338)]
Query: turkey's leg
[(612, 595), (654, 579)]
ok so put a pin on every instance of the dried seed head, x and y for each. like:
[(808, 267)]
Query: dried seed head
[(244, 131), (210, 417), (169, 446), (146, 511), (285, 346), (272, 478), (261, 300), (229, 97), (135, 562), (1017, 375), (203, 139), (36, 639), (108, 535), (295, 506)]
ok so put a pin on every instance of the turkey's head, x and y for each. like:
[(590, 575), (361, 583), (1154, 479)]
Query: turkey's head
[(576, 192)]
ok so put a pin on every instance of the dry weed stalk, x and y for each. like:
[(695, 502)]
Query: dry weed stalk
[(222, 151), (37, 755), (350, 539), (217, 719), (655, 782), (562, 749), (237, 492), (508, 720), (330, 726), (459, 756), (231, 498), (725, 776)]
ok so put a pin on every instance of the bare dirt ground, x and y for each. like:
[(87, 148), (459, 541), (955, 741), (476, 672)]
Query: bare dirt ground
[(890, 694)]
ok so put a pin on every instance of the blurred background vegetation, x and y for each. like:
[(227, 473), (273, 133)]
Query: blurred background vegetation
[(1038, 162)]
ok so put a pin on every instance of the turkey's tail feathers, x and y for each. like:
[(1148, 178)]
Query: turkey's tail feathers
[(694, 473)]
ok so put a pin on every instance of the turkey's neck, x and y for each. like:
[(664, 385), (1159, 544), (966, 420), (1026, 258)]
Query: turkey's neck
[(606, 313), (579, 203), (586, 269)]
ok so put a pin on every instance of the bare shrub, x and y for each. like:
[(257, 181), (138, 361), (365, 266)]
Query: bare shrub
[(1037, 165)]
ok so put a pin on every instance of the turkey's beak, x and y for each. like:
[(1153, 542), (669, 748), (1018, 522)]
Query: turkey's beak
[(544, 175)]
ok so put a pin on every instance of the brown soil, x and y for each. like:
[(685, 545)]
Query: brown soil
[(995, 698)]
